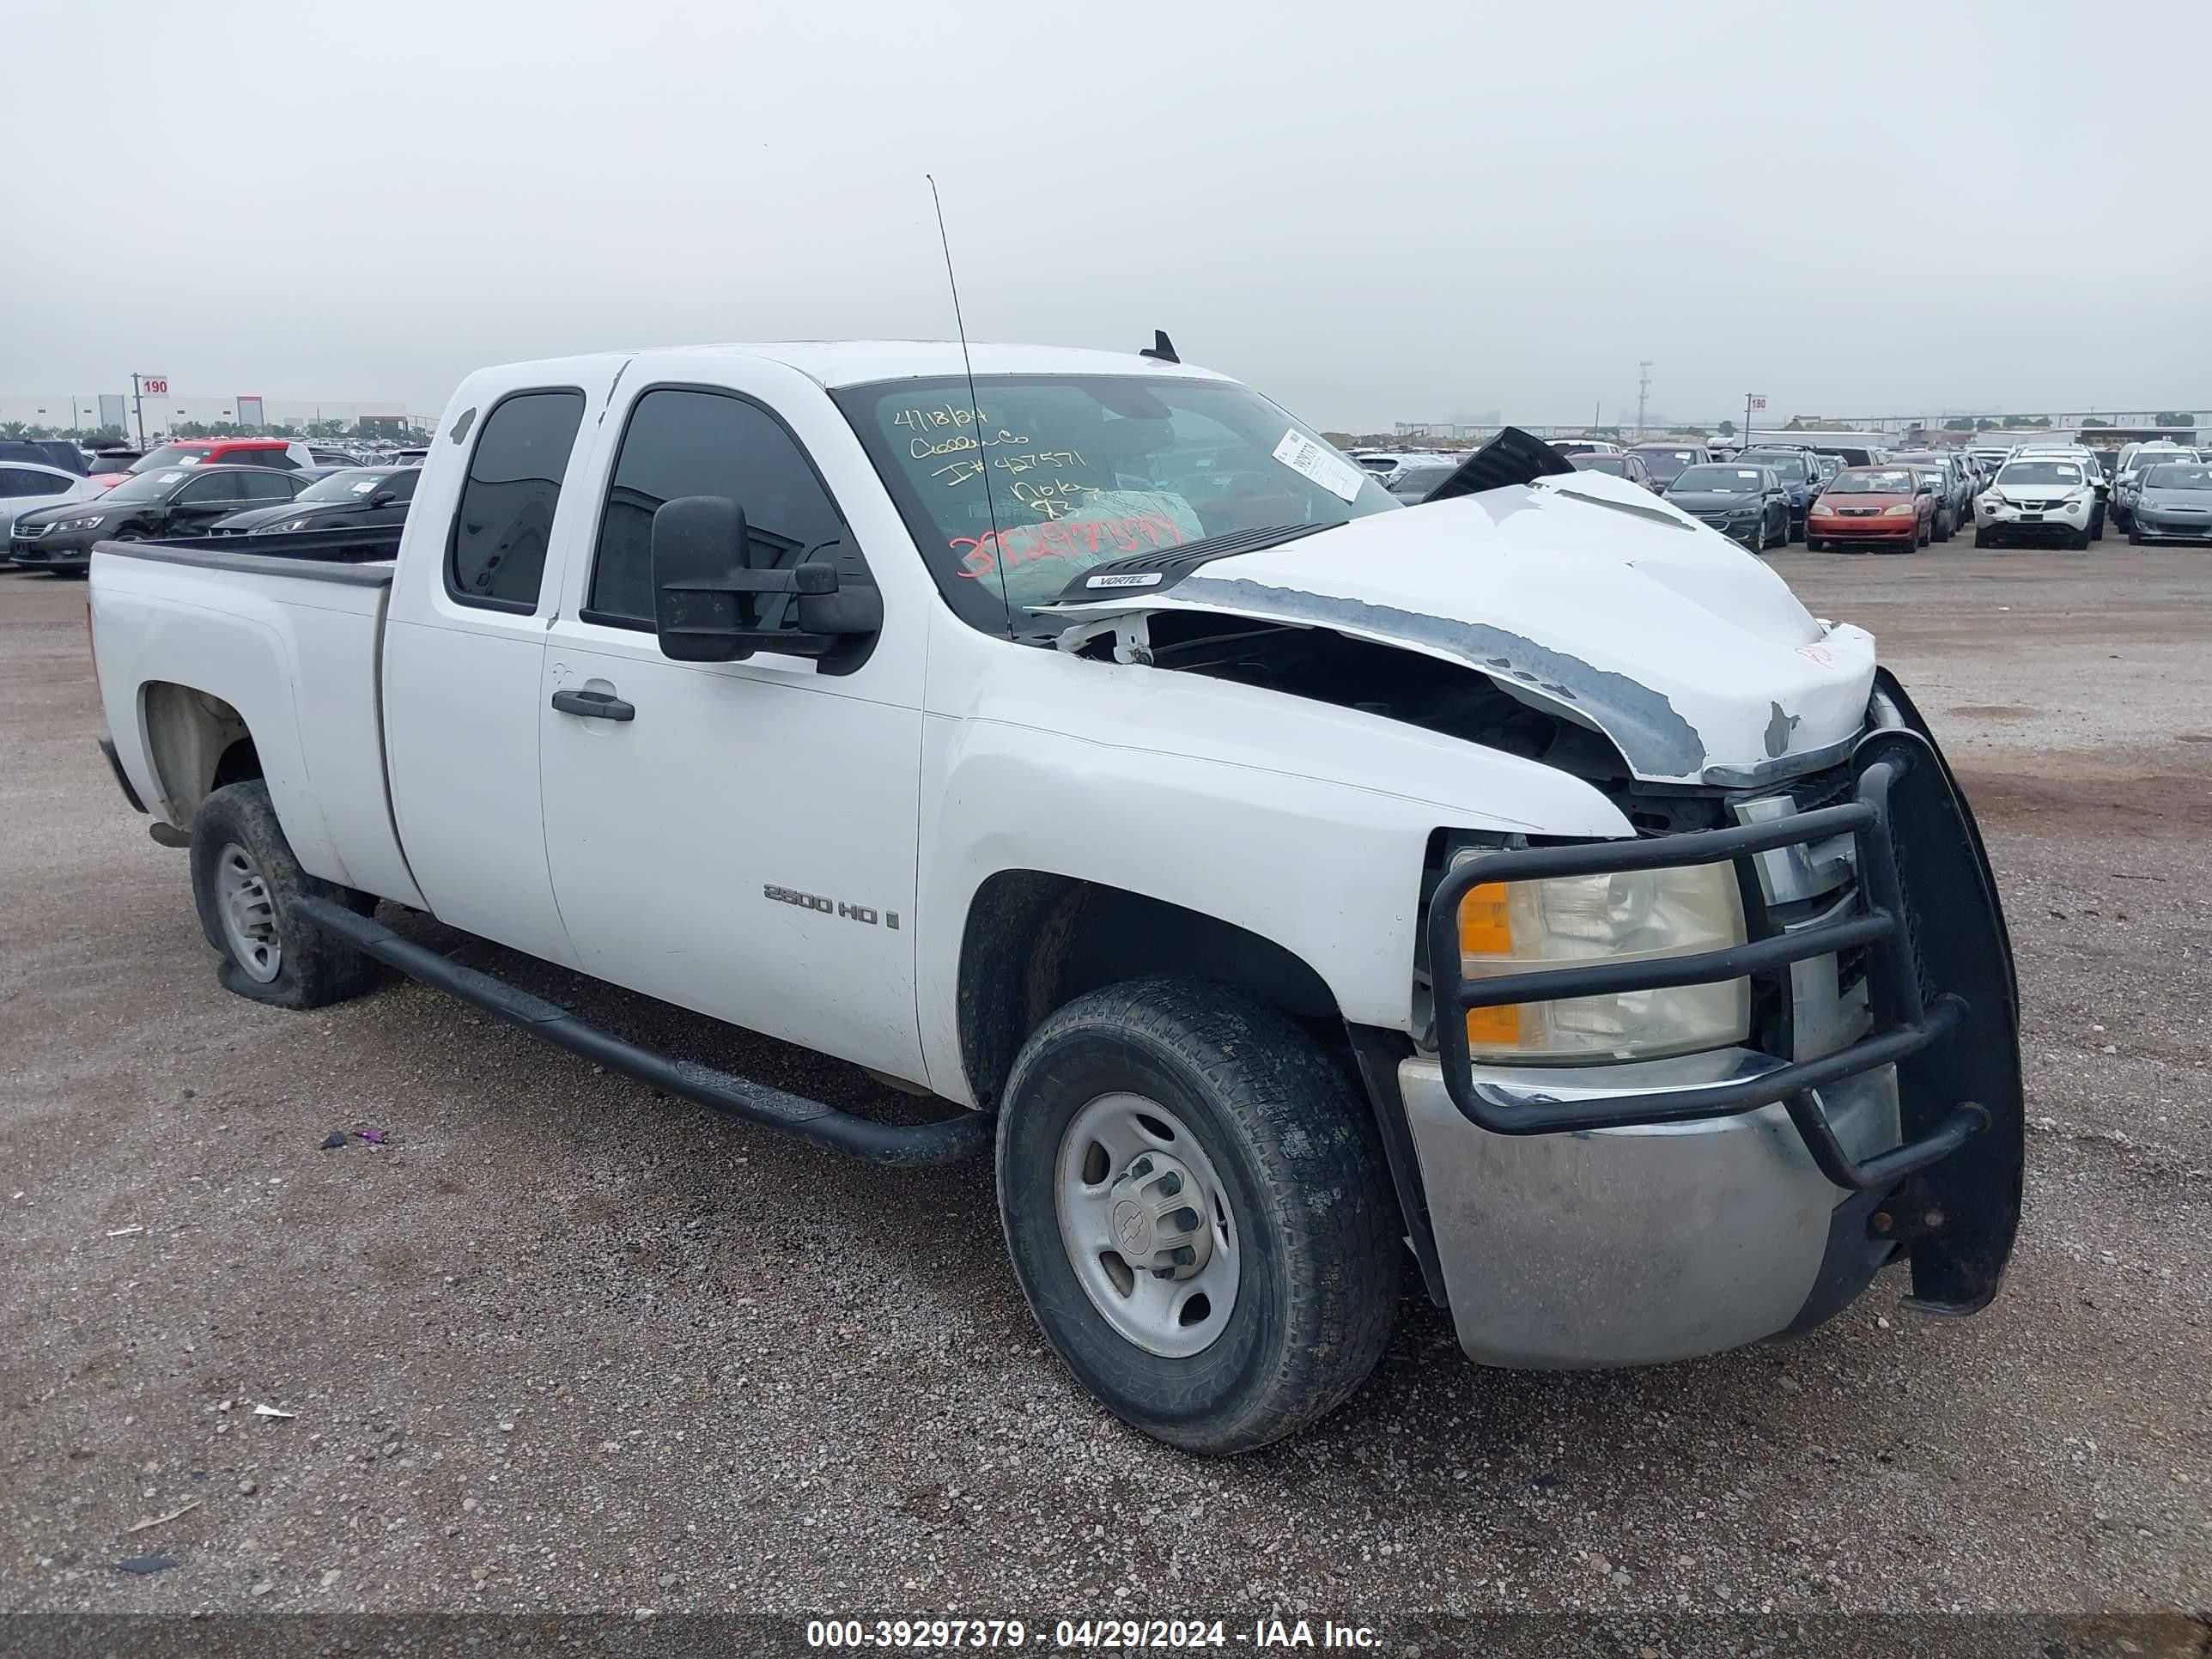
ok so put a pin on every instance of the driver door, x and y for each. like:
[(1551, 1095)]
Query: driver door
[(735, 837)]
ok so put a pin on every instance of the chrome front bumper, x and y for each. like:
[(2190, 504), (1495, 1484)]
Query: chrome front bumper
[(1630, 1246)]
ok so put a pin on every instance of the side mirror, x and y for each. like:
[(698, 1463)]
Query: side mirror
[(383, 498), (707, 597)]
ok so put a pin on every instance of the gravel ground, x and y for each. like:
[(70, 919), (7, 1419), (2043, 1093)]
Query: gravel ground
[(558, 1345)]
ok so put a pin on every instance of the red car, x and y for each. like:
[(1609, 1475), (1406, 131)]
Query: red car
[(1888, 507), (278, 453)]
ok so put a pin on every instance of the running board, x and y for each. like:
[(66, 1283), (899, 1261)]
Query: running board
[(900, 1145)]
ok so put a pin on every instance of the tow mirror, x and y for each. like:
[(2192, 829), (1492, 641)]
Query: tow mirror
[(710, 603)]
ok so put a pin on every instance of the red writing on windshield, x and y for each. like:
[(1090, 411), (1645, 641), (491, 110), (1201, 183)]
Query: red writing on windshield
[(1025, 544)]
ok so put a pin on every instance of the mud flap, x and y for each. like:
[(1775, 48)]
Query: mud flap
[(1958, 1216)]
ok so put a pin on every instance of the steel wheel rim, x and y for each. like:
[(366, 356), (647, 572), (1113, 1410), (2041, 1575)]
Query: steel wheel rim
[(248, 911), (1174, 1317)]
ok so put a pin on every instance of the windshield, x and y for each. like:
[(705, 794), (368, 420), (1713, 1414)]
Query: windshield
[(2179, 475), (1716, 481), (145, 487), (1791, 469), (2041, 472), (1616, 465), (1085, 469), (1873, 480), (353, 484), (169, 455), (1664, 463), (1829, 466)]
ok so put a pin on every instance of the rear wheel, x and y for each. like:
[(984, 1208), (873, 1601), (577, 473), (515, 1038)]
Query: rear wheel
[(246, 884), (1193, 1193)]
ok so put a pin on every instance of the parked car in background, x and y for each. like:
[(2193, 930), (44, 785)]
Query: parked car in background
[(1383, 464), (1954, 496), (278, 453), (2041, 499), (178, 501), (330, 455), (357, 495), (1992, 456), (57, 453), (2093, 468), (1889, 507), (2172, 503), (2134, 460), (1745, 503), (1412, 484), (1853, 454), (1799, 471), (1665, 461), (1573, 446), (1628, 465), (1826, 467), (30, 486)]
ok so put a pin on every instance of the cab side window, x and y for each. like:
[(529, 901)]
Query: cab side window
[(496, 555), (681, 442), (266, 486), (213, 486)]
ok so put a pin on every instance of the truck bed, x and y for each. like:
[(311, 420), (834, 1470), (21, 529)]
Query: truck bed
[(290, 639)]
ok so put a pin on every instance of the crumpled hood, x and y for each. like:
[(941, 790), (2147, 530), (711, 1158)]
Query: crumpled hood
[(1585, 596)]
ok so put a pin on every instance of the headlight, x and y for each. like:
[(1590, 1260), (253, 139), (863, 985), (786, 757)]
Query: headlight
[(1902, 510), (1511, 927), (1822, 506), (91, 523), (278, 529)]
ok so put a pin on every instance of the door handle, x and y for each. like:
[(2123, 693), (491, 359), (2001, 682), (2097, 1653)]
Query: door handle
[(593, 706)]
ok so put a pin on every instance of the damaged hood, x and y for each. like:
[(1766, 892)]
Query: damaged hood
[(1585, 596)]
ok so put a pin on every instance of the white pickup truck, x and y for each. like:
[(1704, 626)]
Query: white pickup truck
[(1289, 884)]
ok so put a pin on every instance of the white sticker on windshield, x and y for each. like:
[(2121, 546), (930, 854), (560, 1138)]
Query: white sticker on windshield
[(363, 487), (1332, 472), (190, 460)]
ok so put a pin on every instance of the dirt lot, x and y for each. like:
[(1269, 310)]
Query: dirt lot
[(560, 1345)]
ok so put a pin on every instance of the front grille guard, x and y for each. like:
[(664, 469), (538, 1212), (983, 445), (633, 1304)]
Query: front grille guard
[(1904, 1022)]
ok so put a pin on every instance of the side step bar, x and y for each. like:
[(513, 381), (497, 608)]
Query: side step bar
[(899, 1145)]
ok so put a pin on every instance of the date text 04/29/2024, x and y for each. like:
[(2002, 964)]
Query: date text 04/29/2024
[(1086, 1634)]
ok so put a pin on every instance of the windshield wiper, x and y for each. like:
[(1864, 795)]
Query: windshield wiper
[(1154, 572)]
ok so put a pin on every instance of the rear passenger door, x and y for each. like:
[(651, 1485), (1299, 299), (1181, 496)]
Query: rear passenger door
[(742, 842), (462, 656)]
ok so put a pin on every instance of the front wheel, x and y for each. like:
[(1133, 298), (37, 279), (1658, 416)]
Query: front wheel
[(246, 884), (1982, 538), (1194, 1196)]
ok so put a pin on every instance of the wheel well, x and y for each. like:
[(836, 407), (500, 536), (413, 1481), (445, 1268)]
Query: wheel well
[(197, 743), (1035, 942)]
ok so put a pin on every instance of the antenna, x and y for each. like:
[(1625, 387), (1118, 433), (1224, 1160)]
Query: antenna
[(975, 408)]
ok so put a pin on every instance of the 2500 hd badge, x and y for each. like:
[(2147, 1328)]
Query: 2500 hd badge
[(830, 907)]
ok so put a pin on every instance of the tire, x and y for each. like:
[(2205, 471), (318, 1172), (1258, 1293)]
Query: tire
[(243, 867), (2134, 538), (1941, 529), (1982, 538), (2081, 540), (1812, 544), (1296, 1169)]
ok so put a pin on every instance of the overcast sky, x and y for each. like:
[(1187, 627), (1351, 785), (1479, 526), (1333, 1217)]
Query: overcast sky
[(1373, 212)]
